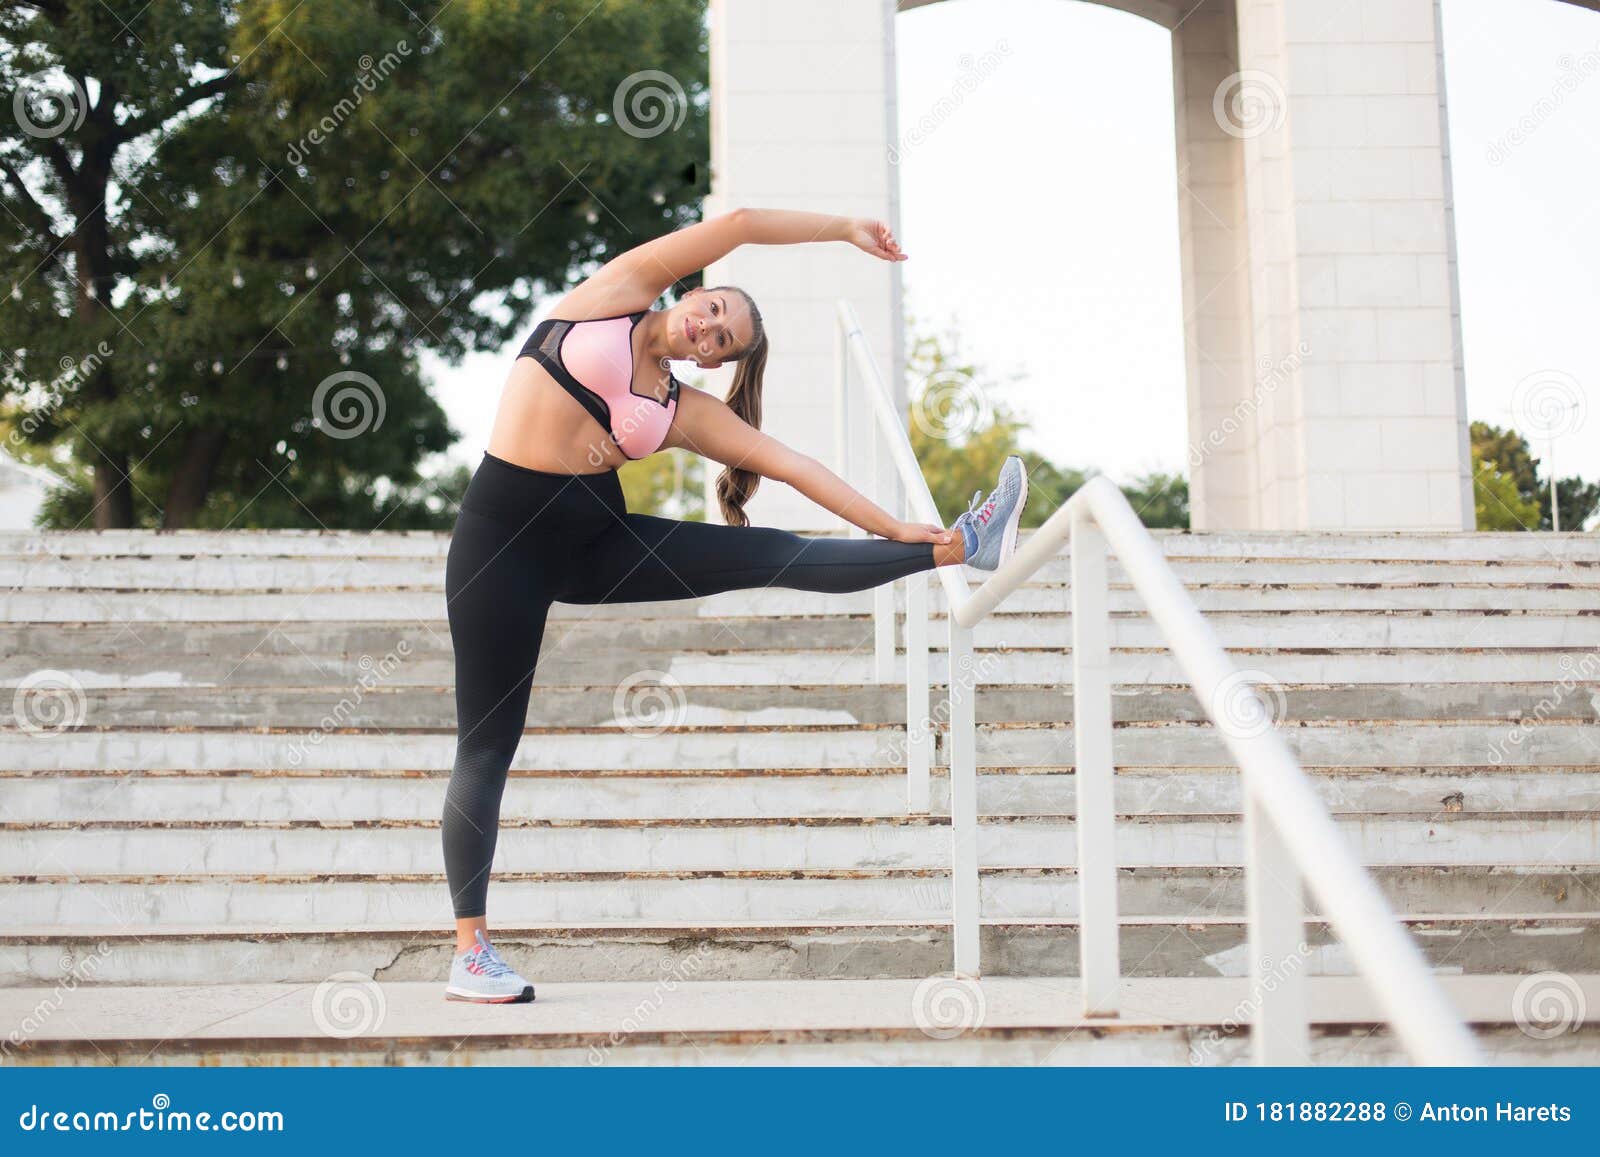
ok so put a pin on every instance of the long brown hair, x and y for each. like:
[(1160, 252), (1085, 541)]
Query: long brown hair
[(734, 486)]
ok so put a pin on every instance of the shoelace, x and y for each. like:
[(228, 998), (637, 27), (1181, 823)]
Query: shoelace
[(988, 507), (489, 960)]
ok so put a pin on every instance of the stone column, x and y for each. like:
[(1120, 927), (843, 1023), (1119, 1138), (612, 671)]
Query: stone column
[(1215, 255), (802, 118), (1352, 271)]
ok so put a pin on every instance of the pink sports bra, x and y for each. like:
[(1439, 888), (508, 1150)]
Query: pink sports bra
[(593, 361)]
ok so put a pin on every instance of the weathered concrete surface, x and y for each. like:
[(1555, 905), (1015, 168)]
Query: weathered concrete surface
[(63, 799), (350, 1021), (241, 903), (208, 821), (417, 708), (1509, 547), (648, 745), (268, 660)]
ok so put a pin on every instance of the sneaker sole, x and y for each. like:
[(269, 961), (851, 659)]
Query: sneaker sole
[(523, 997), (1008, 539)]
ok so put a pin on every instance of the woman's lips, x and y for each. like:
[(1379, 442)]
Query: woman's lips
[(688, 331)]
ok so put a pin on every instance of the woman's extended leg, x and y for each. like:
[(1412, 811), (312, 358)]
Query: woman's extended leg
[(642, 558)]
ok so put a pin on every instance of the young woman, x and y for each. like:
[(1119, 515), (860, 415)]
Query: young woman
[(544, 521)]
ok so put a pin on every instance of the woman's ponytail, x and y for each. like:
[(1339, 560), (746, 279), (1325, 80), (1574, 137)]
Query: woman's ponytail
[(735, 486)]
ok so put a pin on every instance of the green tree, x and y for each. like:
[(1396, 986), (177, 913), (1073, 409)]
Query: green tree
[(1506, 452), (1578, 501), (1498, 502), (962, 433), (671, 484), (234, 225), (1160, 500)]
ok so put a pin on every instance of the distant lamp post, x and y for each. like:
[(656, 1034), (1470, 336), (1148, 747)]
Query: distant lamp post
[(1548, 402), (1556, 429)]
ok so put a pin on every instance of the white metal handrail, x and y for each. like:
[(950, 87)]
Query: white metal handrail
[(1287, 829)]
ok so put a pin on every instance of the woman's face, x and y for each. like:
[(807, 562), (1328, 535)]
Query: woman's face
[(709, 327)]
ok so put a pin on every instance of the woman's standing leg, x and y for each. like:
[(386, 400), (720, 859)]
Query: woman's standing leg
[(497, 616)]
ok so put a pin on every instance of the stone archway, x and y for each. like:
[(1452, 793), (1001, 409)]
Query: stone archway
[(1322, 321)]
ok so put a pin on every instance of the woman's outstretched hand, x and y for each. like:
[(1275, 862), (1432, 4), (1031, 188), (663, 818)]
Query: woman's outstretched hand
[(871, 236), (920, 532)]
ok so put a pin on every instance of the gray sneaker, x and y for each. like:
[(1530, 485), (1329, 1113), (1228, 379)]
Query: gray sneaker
[(990, 530), (479, 974)]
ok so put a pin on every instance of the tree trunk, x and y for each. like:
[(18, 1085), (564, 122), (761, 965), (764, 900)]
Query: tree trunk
[(113, 497), (191, 482)]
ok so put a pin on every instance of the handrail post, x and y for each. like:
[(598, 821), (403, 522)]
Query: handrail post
[(919, 727), (841, 403), (1094, 771), (964, 893), (1278, 960)]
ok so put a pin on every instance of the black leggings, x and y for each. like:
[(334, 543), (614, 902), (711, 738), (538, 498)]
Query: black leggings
[(524, 539)]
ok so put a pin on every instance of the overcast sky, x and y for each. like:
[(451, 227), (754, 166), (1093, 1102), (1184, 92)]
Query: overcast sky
[(1041, 219)]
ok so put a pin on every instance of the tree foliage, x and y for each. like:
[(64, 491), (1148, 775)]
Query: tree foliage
[(1510, 494), (235, 225), (671, 484), (962, 433), (1498, 502)]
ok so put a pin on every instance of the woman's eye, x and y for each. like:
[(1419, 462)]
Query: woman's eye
[(713, 309), (722, 341)]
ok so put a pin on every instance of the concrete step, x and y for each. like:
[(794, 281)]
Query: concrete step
[(61, 798), (388, 708), (203, 848), (1574, 548), (683, 1020), (138, 606), (266, 572), (76, 592), (144, 661), (328, 903), (1409, 744), (1197, 945)]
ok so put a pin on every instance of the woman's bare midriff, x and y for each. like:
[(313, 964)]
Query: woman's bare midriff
[(541, 426)]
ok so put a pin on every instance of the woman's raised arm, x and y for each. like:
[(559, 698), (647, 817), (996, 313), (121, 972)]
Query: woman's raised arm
[(705, 425), (633, 280)]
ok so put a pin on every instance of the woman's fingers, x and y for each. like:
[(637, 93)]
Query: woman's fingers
[(880, 242)]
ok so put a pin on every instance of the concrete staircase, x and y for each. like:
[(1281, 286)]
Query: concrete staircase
[(261, 726)]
